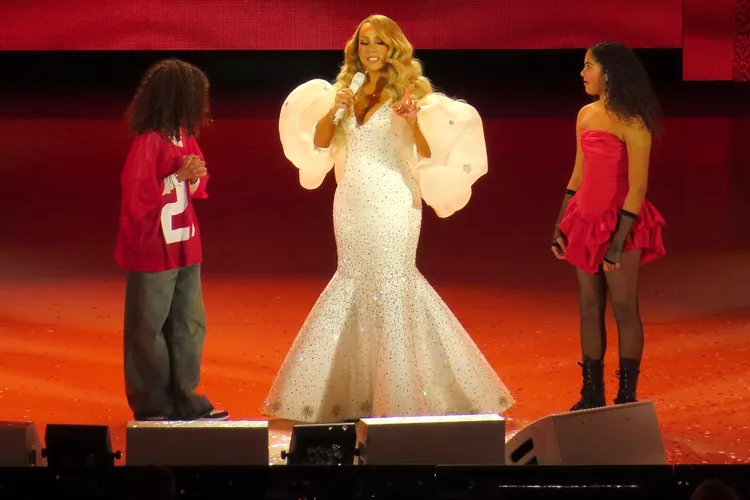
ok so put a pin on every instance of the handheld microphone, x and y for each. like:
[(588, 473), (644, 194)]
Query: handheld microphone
[(357, 82)]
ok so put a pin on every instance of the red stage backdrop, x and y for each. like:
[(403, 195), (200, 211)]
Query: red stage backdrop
[(327, 24), (715, 45), (713, 33), (741, 70)]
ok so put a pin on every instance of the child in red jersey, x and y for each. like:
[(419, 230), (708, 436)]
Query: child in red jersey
[(159, 245)]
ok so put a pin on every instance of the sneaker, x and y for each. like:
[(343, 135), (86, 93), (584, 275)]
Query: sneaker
[(215, 415)]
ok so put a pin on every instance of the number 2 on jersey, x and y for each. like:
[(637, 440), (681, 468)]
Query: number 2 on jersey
[(176, 234)]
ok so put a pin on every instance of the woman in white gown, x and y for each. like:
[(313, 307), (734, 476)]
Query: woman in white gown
[(380, 341)]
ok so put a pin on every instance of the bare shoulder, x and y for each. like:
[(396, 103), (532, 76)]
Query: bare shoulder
[(635, 132), (587, 114), (586, 111)]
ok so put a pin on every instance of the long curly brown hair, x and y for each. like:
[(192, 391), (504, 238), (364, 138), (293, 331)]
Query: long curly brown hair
[(172, 95), (628, 90)]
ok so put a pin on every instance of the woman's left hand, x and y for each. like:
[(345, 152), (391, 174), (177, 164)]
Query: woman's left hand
[(407, 108)]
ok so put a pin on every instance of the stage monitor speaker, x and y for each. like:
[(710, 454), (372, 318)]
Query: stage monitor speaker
[(625, 434), (432, 440), (322, 444), (69, 445), (197, 443), (20, 445)]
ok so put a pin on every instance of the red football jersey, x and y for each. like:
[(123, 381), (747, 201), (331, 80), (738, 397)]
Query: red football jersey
[(158, 231)]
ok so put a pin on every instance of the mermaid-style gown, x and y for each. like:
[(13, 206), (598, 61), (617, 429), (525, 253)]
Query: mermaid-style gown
[(380, 341)]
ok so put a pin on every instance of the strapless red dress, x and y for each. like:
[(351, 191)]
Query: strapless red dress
[(591, 216)]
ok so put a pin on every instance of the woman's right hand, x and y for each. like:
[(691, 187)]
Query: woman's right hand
[(559, 248), (344, 100)]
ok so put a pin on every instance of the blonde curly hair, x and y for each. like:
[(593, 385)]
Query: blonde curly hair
[(403, 69)]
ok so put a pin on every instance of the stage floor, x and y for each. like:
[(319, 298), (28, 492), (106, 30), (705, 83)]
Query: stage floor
[(60, 347)]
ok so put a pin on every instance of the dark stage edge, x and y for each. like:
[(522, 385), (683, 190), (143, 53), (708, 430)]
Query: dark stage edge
[(370, 482)]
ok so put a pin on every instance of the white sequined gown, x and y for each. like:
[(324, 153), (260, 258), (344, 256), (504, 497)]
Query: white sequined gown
[(380, 341)]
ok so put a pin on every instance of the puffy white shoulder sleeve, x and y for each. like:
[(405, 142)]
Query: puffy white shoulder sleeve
[(301, 111), (454, 131)]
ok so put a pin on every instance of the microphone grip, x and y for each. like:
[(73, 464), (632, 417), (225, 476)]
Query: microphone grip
[(356, 83), (338, 116)]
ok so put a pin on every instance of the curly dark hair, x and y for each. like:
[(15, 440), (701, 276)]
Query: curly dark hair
[(628, 92), (172, 95)]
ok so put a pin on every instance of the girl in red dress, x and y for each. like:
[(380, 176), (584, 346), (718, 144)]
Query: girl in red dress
[(606, 228)]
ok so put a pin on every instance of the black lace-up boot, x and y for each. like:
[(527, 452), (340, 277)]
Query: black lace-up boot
[(592, 393), (628, 376)]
